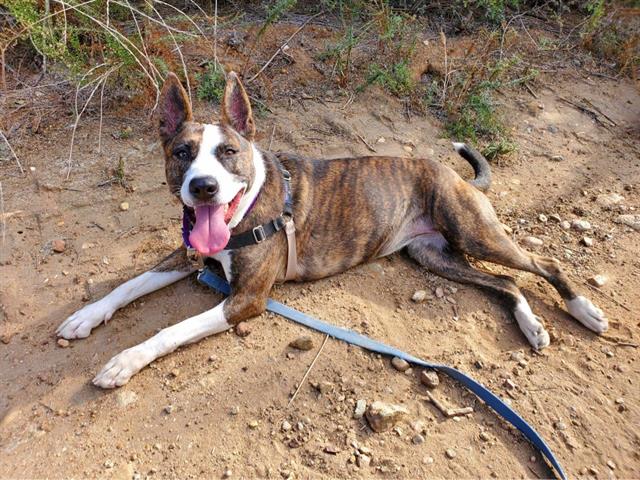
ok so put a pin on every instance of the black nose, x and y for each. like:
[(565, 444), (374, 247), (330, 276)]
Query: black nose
[(203, 188)]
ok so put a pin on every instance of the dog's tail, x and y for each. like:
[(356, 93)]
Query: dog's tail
[(480, 166)]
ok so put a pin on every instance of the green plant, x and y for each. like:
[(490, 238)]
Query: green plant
[(211, 83), (396, 78), (493, 10)]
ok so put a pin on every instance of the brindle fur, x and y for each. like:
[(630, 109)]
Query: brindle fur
[(351, 210)]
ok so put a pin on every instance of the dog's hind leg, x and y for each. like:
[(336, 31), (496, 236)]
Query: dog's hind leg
[(173, 268), (438, 259)]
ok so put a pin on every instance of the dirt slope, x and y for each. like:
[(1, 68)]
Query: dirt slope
[(228, 395)]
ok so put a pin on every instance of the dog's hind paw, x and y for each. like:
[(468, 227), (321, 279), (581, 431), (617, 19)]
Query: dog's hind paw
[(122, 367), (80, 324), (531, 326), (587, 314)]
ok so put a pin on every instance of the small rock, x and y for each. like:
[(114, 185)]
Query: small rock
[(63, 342), (417, 439), (533, 108), (361, 406), (509, 384), (532, 242), (227, 473), (593, 470), (507, 228), (235, 410), (565, 225), (517, 356), (581, 225), (555, 217), (607, 200), (175, 373), (419, 296), (543, 218), (552, 129), (560, 426), (587, 241), (484, 436), (126, 397), (630, 220), (439, 292), (598, 280), (108, 464), (429, 378), (253, 424), (450, 453), (169, 409), (400, 364), (427, 460), (557, 158), (243, 329), (611, 464), (381, 140), (304, 342), (408, 148), (58, 245), (363, 461), (124, 206), (286, 426), (383, 416)]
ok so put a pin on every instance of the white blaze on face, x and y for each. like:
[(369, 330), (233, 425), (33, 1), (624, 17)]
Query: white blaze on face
[(207, 165), (259, 175)]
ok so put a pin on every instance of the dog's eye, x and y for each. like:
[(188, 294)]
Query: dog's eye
[(230, 151), (182, 153)]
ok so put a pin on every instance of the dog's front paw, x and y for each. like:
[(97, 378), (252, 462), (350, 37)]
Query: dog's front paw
[(80, 324), (531, 326), (122, 367), (588, 314)]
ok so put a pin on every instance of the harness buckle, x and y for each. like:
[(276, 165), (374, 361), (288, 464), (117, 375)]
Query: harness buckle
[(258, 234), (286, 175)]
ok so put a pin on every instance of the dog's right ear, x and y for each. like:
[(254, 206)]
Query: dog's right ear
[(174, 108)]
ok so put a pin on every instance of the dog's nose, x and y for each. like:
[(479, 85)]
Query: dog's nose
[(203, 188)]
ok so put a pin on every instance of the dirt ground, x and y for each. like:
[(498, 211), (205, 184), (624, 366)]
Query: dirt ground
[(219, 405)]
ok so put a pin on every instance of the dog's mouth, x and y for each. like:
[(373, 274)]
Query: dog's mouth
[(210, 233)]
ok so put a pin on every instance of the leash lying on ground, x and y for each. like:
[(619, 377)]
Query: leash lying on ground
[(207, 277)]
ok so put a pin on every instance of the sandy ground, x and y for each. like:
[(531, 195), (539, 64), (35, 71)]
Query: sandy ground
[(220, 404)]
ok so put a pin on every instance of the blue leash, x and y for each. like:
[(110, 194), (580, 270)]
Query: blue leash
[(207, 277)]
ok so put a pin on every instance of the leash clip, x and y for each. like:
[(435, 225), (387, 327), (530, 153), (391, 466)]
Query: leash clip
[(258, 234)]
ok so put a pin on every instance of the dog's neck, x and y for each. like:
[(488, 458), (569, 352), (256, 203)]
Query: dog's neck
[(264, 198)]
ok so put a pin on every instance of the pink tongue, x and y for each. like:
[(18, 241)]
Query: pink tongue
[(210, 234)]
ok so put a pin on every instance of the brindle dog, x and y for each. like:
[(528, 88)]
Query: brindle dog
[(346, 211)]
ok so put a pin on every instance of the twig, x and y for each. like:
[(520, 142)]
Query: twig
[(607, 296), (366, 143), (443, 39), (618, 342), (273, 132), (533, 94), (2, 215), (282, 46), (448, 412), (215, 33), (12, 152), (308, 370)]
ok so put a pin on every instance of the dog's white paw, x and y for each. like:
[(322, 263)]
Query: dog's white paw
[(122, 367), (80, 324), (531, 326), (588, 314)]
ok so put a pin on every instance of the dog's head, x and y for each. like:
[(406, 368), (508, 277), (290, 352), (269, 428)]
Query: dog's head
[(212, 168)]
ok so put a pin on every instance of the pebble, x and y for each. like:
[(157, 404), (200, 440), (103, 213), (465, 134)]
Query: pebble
[(63, 342), (227, 473), (417, 439), (555, 217), (552, 129), (532, 242), (419, 296), (565, 225), (253, 424), (598, 280), (630, 220), (557, 158), (543, 218), (169, 409), (361, 406), (286, 426), (124, 206), (175, 372), (509, 384), (450, 453), (363, 461), (560, 426), (304, 342), (58, 245), (108, 464), (609, 199), (587, 241), (581, 225), (408, 148), (439, 292), (235, 410), (126, 397), (611, 464), (484, 436), (400, 364), (381, 140), (429, 378), (383, 416), (427, 460), (243, 329)]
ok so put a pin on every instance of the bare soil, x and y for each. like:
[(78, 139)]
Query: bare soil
[(228, 395)]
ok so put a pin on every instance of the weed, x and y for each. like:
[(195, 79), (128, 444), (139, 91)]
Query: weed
[(396, 79), (211, 83)]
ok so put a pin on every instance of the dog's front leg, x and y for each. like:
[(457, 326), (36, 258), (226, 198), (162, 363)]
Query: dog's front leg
[(123, 366), (173, 268)]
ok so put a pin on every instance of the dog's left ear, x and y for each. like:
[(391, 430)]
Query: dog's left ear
[(174, 107), (236, 108)]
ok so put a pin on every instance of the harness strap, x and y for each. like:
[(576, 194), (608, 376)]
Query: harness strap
[(207, 277), (292, 255)]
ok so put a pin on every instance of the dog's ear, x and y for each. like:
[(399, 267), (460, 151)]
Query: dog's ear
[(236, 108), (174, 107)]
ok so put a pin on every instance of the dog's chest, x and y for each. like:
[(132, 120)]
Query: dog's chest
[(224, 258)]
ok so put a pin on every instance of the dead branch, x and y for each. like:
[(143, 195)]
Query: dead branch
[(12, 152)]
